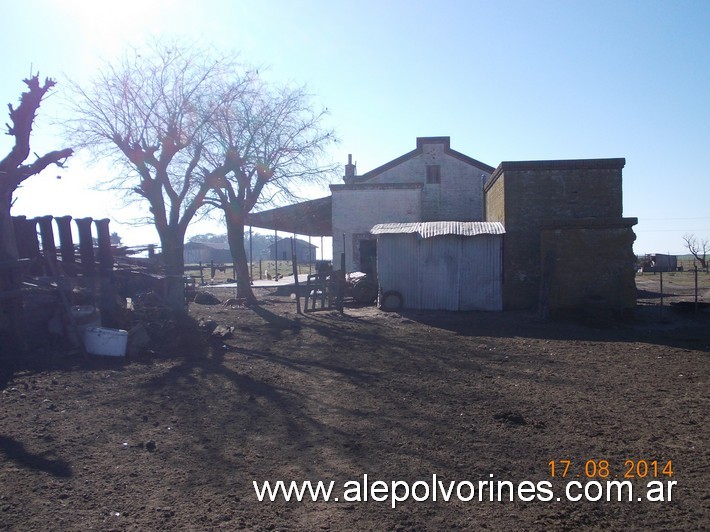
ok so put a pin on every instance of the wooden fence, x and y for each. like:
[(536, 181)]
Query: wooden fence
[(50, 265)]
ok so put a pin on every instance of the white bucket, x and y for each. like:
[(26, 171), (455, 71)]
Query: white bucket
[(107, 342), (84, 316)]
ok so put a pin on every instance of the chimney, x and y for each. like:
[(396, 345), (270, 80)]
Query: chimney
[(349, 169)]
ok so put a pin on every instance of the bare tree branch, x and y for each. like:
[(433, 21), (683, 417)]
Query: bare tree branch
[(272, 141), (149, 112), (699, 248), (13, 170)]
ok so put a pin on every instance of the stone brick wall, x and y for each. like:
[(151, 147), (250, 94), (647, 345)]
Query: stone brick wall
[(588, 264), (494, 201), (525, 195)]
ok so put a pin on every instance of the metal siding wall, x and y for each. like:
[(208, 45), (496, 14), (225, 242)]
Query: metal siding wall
[(439, 272), (442, 273), (481, 273), (398, 266)]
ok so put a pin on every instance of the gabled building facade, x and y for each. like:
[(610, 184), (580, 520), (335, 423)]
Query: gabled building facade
[(430, 183)]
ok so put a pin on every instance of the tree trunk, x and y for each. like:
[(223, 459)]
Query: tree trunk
[(235, 236), (8, 244), (11, 311), (172, 243)]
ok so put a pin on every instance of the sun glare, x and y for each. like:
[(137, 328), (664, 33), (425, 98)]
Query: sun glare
[(107, 26)]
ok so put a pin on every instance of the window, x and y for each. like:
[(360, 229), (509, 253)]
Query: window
[(433, 174)]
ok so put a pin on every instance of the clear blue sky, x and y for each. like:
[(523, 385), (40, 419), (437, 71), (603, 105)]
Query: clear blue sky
[(506, 80)]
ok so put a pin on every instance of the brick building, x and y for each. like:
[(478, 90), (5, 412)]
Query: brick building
[(566, 244)]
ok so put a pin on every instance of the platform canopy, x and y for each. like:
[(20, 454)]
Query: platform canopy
[(311, 218)]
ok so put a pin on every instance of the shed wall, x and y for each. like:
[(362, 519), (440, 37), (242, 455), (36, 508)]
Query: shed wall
[(398, 266), (439, 266), (481, 284), (442, 273)]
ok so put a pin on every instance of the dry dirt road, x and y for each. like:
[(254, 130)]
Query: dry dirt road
[(175, 439)]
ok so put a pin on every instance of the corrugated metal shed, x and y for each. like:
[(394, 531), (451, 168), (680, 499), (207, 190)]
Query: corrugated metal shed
[(432, 229), (442, 265)]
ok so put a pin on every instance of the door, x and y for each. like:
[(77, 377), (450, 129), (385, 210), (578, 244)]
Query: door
[(368, 256)]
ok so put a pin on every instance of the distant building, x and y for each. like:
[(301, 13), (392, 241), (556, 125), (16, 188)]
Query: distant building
[(206, 252), (659, 263), (305, 252)]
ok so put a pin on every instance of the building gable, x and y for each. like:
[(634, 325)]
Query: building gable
[(427, 149)]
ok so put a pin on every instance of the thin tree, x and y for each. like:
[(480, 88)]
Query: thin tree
[(13, 168), (275, 138), (149, 112), (698, 247)]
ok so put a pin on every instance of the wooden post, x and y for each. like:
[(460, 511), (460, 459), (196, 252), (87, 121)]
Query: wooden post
[(86, 245), (661, 284), (66, 241), (11, 307), (107, 292), (276, 254), (341, 282), (105, 253), (28, 243), (295, 274), (49, 249), (696, 289), (251, 258), (310, 256)]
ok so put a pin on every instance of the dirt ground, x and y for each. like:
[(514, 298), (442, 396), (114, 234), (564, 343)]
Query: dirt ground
[(173, 439)]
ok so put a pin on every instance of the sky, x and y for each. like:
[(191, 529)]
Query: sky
[(506, 80)]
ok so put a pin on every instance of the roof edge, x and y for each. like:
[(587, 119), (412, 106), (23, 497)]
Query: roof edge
[(439, 228), (556, 164), (421, 142)]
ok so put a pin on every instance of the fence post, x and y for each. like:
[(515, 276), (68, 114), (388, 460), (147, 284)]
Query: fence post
[(295, 275), (661, 285), (86, 245), (28, 243), (103, 235), (46, 232), (66, 241), (696, 288)]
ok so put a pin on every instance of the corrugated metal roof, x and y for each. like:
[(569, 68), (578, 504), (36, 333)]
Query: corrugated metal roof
[(431, 229)]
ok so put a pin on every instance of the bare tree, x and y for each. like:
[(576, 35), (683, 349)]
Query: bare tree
[(698, 247), (275, 139), (150, 113), (13, 169)]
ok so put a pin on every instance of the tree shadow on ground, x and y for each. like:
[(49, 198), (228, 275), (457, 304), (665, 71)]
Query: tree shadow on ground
[(15, 451), (668, 326)]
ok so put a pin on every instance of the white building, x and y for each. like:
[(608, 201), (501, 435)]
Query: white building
[(430, 183)]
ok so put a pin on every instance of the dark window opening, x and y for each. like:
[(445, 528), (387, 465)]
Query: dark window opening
[(368, 256), (433, 174)]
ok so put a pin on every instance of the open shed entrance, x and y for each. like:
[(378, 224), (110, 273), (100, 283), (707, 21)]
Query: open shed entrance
[(368, 256)]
